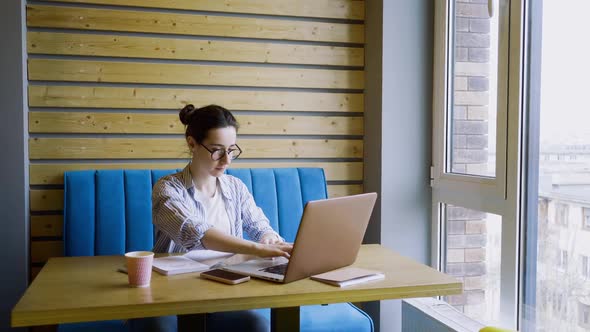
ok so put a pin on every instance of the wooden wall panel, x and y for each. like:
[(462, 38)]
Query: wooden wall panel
[(164, 73), (41, 251), (164, 148), (170, 98), (142, 123), (47, 226), (46, 199), (186, 49), (191, 24), (108, 77), (52, 174), (344, 9), (52, 199)]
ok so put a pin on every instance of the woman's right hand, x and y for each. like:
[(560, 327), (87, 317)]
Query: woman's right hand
[(282, 249)]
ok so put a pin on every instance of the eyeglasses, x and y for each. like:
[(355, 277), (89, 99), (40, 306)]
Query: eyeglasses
[(217, 154)]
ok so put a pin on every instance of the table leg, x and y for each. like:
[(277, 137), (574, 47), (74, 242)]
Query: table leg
[(284, 319), (194, 322)]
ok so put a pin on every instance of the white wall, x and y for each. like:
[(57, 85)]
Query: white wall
[(398, 121)]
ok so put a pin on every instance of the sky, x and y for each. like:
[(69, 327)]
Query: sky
[(565, 72)]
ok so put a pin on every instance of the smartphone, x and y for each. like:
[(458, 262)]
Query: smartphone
[(225, 276)]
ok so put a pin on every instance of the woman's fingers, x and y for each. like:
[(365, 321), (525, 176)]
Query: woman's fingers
[(280, 249)]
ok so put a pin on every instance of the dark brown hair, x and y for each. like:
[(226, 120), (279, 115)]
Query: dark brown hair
[(199, 121)]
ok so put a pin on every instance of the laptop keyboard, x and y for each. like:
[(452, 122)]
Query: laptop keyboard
[(276, 269)]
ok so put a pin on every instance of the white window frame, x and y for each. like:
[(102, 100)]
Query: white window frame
[(500, 195)]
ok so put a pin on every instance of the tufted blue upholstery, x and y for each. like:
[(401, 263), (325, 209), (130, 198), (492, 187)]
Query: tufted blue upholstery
[(108, 212)]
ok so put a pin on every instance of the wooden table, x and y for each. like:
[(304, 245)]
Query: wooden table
[(79, 289)]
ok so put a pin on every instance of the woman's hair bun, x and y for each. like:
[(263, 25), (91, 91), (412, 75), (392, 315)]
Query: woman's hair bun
[(186, 114)]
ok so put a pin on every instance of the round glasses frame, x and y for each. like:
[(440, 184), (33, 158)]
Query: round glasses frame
[(217, 154)]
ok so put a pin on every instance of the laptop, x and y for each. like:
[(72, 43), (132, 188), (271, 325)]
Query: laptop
[(329, 237)]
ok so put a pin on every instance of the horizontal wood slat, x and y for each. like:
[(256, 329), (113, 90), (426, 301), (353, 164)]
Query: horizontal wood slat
[(133, 148), (164, 98), (41, 251), (185, 49), (340, 9), (161, 73), (46, 225), (344, 190), (191, 24), (52, 199), (44, 174), (46, 199), (142, 123)]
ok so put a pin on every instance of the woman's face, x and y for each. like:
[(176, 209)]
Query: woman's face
[(217, 139)]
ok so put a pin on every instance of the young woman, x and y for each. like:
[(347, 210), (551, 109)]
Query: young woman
[(203, 208)]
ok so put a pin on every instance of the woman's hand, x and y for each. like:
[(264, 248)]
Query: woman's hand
[(282, 249), (270, 238)]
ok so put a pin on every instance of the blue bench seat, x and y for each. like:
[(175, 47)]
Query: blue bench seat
[(108, 212)]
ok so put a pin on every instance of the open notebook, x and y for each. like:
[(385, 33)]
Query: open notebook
[(172, 265)]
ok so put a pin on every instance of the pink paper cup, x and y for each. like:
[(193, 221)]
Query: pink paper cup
[(139, 268)]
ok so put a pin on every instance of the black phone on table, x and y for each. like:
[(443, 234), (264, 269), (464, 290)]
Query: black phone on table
[(227, 277)]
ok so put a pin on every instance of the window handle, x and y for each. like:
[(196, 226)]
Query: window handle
[(491, 8)]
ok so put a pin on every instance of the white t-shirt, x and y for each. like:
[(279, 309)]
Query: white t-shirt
[(215, 210)]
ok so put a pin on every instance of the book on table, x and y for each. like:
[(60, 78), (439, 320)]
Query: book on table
[(348, 276), (177, 264)]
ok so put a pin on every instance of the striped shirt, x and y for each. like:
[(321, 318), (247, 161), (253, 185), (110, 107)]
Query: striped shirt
[(180, 218)]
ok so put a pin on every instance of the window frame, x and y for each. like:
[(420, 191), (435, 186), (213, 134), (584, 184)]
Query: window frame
[(501, 195)]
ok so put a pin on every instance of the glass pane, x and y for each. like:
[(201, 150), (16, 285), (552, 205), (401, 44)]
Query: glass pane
[(472, 111), (557, 278), (472, 254)]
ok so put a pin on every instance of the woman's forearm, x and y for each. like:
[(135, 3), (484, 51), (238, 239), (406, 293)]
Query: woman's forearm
[(217, 240)]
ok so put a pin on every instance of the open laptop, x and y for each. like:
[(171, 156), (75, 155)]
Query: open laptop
[(329, 237)]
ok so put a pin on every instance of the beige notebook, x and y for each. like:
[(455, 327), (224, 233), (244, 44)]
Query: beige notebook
[(348, 276)]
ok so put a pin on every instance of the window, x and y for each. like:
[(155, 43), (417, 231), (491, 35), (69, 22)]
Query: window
[(559, 305), (512, 150), (558, 165), (562, 259), (561, 214), (584, 315), (585, 268), (586, 218), (471, 158), (473, 247)]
